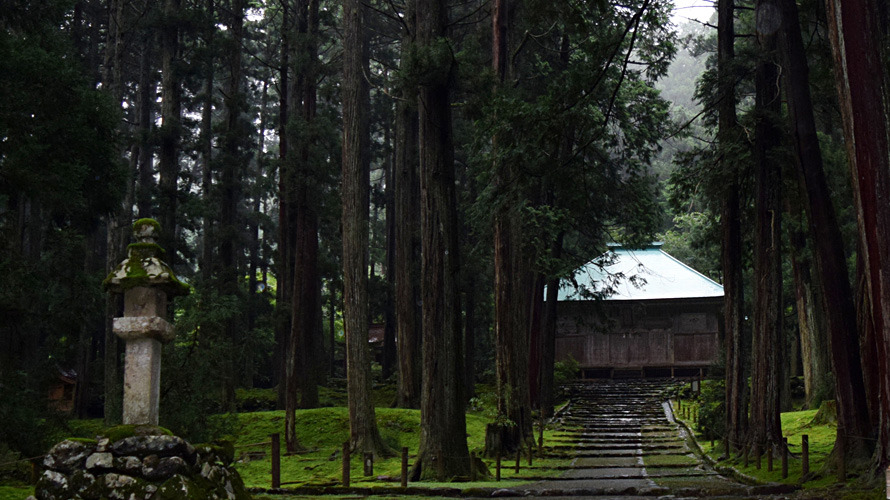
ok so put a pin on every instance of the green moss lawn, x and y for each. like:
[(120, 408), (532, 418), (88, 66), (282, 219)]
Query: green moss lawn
[(795, 424)]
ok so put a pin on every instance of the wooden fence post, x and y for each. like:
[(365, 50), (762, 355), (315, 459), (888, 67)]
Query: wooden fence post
[(784, 458), (346, 464), (805, 451), (497, 476), (276, 460), (369, 464), (518, 458), (404, 467), (473, 466), (531, 450), (841, 456), (769, 457), (757, 456)]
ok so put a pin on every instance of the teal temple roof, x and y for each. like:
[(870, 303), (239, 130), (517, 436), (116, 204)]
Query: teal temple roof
[(637, 274)]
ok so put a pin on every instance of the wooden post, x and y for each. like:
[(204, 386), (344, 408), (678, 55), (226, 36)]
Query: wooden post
[(531, 449), (541, 437), (473, 466), (276, 460), (784, 458), (497, 476), (346, 464), (757, 456), (369, 464), (887, 481), (440, 467), (769, 457), (404, 467), (518, 458), (805, 452), (745, 455), (841, 456)]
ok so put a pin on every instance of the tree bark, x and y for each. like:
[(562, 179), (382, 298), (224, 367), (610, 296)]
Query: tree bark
[(407, 209), (364, 435), (389, 311), (286, 234), (442, 408), (548, 340), (170, 130), (768, 340), (837, 295), (232, 166), (862, 85), (735, 339), (144, 145), (814, 344), (206, 144), (301, 354), (510, 288)]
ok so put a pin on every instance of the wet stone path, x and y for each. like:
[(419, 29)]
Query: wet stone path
[(625, 444)]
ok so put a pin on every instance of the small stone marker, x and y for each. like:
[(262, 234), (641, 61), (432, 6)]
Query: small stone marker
[(147, 283)]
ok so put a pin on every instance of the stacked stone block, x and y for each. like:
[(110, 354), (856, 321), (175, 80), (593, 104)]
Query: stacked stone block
[(148, 465)]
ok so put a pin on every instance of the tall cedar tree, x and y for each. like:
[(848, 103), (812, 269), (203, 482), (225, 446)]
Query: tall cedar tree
[(837, 295), (856, 30), (443, 443), (511, 298), (407, 212), (364, 435), (306, 292), (736, 343), (232, 163), (171, 125), (286, 216), (765, 428)]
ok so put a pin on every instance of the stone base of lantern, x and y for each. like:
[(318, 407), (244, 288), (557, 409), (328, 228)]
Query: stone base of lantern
[(145, 465)]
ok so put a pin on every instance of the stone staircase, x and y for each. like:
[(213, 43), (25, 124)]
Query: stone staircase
[(624, 443)]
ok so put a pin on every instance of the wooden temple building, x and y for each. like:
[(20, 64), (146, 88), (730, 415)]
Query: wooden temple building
[(639, 313)]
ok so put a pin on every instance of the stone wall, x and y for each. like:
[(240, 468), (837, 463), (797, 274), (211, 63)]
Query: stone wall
[(146, 464)]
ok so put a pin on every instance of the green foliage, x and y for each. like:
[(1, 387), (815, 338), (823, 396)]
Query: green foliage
[(58, 147), (427, 65), (195, 364), (564, 371), (27, 426), (712, 409), (250, 400), (695, 240)]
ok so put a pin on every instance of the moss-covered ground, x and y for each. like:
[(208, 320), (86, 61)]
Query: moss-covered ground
[(322, 432), (795, 425)]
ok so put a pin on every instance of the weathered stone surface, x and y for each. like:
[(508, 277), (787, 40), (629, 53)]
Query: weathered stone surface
[(103, 444), (163, 468), (100, 461), (142, 381), (143, 446), (128, 465), (52, 485), (122, 487), (68, 455), (138, 327), (142, 467), (81, 481)]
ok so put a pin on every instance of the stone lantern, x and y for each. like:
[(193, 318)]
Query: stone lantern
[(147, 284)]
